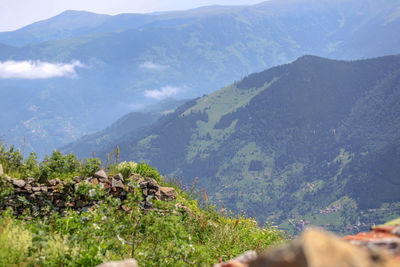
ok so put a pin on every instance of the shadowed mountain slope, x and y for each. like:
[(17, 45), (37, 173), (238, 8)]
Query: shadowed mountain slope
[(313, 141)]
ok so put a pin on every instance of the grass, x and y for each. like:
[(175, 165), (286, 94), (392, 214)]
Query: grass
[(180, 232)]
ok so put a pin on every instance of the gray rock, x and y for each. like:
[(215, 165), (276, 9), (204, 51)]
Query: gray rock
[(145, 191), (60, 203), (79, 203), (77, 179), (152, 184), (119, 177), (36, 188), (241, 260), (29, 180), (168, 193), (19, 183), (124, 263), (53, 182), (117, 183), (101, 174), (28, 187)]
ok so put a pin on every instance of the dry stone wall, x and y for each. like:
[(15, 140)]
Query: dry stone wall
[(80, 193)]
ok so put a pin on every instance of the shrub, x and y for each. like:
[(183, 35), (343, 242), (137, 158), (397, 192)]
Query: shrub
[(146, 170), (15, 242), (90, 166), (127, 168), (58, 166)]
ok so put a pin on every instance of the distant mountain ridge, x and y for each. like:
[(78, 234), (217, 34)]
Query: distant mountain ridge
[(315, 141), (182, 54)]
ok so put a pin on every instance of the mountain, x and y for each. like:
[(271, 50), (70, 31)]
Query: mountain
[(70, 23), (123, 62), (130, 124), (315, 141)]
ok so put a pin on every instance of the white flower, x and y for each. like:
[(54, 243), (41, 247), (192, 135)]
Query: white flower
[(92, 192)]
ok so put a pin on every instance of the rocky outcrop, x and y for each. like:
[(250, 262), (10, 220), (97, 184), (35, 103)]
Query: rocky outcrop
[(167, 193), (80, 193), (381, 238), (125, 263), (317, 248), (100, 174)]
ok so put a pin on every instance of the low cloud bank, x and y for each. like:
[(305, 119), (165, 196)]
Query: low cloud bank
[(162, 93), (37, 69), (152, 66)]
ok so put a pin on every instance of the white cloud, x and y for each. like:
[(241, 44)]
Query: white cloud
[(152, 66), (164, 92), (37, 69)]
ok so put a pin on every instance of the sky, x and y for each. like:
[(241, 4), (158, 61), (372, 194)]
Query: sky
[(15, 14)]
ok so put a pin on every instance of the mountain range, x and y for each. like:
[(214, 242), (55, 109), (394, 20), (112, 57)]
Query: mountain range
[(115, 64), (313, 142)]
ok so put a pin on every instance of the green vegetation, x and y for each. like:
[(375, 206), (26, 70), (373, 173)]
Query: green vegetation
[(314, 142), (178, 232)]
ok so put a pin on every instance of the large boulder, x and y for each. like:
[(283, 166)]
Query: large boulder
[(167, 193), (101, 174), (124, 263), (18, 183), (319, 248)]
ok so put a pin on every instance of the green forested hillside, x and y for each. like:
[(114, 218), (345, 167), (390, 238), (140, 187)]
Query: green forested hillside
[(315, 141)]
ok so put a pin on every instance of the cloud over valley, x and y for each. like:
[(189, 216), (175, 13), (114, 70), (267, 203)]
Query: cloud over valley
[(163, 93), (37, 69)]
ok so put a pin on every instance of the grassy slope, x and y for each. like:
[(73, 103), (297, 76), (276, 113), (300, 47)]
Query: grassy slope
[(179, 232)]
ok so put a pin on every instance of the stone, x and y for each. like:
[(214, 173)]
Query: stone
[(315, 248), (143, 185), (28, 187), (247, 256), (148, 205), (60, 203), (396, 231), (19, 183), (126, 208), (36, 188), (145, 191), (29, 180), (79, 203), (184, 208), (117, 183), (43, 188), (167, 193), (119, 177), (124, 263), (137, 177), (101, 174), (53, 182), (77, 179), (152, 184), (1, 170), (94, 181)]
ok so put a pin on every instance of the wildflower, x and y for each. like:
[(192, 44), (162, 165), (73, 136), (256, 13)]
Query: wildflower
[(92, 192)]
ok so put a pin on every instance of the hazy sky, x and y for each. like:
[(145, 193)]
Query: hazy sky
[(18, 13)]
